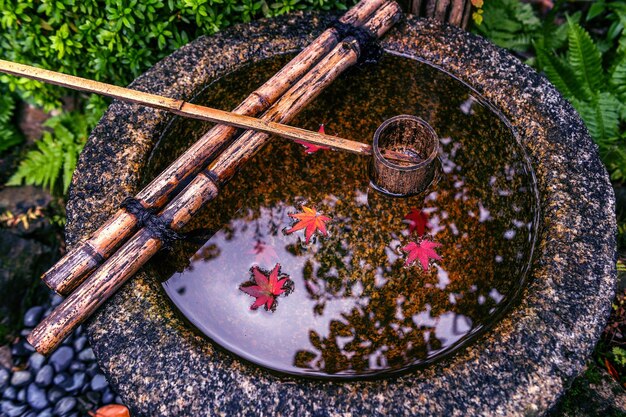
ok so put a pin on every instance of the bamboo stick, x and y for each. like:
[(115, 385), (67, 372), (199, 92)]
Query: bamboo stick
[(195, 111), (70, 270), (142, 246)]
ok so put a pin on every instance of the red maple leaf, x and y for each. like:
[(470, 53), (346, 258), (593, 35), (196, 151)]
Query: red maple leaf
[(266, 288), (310, 220), (263, 253), (418, 220), (311, 147), (424, 251)]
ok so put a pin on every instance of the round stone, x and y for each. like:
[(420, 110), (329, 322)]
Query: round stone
[(108, 396), (64, 406), (36, 397), (22, 348), (77, 367), (60, 379), (80, 343), (4, 378), (93, 369), (36, 361), (21, 395), (44, 376), (62, 358), (74, 383), (87, 355), (21, 378), (99, 383), (32, 316), (45, 413), (11, 409), (54, 394), (10, 393)]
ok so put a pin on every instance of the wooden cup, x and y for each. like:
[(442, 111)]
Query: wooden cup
[(408, 135)]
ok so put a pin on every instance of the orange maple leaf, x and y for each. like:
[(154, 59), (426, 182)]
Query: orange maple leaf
[(310, 220)]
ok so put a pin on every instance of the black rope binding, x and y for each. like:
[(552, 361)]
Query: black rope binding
[(370, 50), (146, 219)]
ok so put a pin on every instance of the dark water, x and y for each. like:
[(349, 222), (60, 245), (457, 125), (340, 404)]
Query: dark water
[(356, 309)]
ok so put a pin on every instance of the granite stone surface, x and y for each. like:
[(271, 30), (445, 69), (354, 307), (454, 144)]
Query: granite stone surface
[(522, 366)]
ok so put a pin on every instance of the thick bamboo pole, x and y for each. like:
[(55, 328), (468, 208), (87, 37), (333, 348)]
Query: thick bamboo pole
[(70, 271), (142, 246)]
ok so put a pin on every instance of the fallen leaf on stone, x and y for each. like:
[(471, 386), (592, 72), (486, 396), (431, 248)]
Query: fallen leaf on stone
[(311, 147), (111, 410), (266, 288), (310, 220), (612, 371), (424, 251)]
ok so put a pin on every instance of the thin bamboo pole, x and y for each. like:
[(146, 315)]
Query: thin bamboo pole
[(70, 270), (142, 246), (195, 111)]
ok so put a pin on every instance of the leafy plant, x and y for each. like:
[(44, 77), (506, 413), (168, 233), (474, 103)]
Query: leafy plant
[(9, 134), (52, 162), (590, 73)]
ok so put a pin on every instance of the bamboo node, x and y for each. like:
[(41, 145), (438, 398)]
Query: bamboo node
[(370, 51), (147, 219)]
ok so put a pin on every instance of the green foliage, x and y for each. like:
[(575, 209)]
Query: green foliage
[(9, 135), (619, 355), (52, 162), (116, 40), (589, 72)]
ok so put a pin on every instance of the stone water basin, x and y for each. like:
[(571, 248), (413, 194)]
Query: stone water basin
[(500, 325)]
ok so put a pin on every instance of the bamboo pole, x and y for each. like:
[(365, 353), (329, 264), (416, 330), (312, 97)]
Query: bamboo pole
[(70, 270), (142, 246), (182, 108)]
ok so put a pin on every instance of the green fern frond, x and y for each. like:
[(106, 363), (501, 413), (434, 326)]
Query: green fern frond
[(41, 166), (54, 160), (562, 75), (601, 116), (9, 134), (617, 77), (584, 57)]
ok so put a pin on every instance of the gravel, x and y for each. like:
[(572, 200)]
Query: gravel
[(67, 384)]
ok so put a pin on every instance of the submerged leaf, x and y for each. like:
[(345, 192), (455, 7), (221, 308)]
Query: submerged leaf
[(418, 220), (311, 147)]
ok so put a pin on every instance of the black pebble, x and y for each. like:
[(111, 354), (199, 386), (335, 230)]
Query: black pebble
[(10, 409), (36, 397), (80, 343), (54, 394), (99, 383), (87, 355), (4, 378), (64, 406), (32, 316), (73, 384), (36, 361), (45, 413), (44, 376), (9, 394), (62, 358), (21, 378)]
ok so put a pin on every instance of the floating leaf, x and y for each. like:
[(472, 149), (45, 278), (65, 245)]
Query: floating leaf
[(424, 251), (311, 147), (310, 220), (266, 288)]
